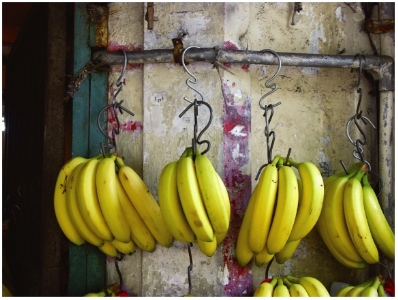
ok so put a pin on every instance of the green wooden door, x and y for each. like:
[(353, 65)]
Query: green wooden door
[(87, 264)]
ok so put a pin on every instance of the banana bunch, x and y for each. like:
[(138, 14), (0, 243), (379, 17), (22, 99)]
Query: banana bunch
[(194, 201), (374, 287), (352, 224), (102, 201), (289, 286), (282, 210)]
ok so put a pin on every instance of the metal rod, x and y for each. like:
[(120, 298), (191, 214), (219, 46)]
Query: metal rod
[(382, 64)]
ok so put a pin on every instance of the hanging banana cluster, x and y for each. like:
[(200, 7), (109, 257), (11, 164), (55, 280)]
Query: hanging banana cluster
[(374, 287), (289, 286), (282, 210), (105, 203), (194, 201), (352, 224)]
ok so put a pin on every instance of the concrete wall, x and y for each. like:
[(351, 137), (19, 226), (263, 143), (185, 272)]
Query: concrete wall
[(316, 104)]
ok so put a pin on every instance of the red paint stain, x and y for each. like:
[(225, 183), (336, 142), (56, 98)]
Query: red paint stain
[(245, 68), (129, 126), (230, 46), (239, 190)]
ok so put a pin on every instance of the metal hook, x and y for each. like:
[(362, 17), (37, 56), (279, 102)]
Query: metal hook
[(196, 138), (193, 76), (273, 86), (120, 81), (112, 140), (190, 267)]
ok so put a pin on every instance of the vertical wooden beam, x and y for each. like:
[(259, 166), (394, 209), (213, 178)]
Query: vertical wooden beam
[(87, 271)]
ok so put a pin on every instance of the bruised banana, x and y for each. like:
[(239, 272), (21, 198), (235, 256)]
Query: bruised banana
[(145, 204), (60, 204), (170, 205), (263, 206)]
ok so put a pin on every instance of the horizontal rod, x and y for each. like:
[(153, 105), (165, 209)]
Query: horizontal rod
[(383, 65)]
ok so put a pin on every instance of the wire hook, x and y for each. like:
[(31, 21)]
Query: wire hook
[(273, 86), (195, 80), (196, 137), (115, 106)]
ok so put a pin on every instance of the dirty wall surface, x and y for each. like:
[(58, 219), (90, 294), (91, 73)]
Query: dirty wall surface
[(316, 104)]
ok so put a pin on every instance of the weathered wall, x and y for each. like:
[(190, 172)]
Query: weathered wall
[(316, 104)]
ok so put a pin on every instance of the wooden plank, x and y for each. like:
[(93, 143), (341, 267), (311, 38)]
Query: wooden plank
[(86, 263)]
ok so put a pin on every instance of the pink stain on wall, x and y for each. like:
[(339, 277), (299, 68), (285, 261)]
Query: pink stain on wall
[(130, 126), (239, 190), (228, 45)]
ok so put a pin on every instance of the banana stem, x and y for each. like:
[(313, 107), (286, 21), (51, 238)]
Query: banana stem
[(287, 282)]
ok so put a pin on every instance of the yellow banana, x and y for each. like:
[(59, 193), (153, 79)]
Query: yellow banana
[(170, 205), (344, 291), (221, 236), (287, 251), (313, 286), (243, 252), (357, 223), (371, 290), (335, 220), (381, 231), (139, 232), (295, 289), (125, 248), (285, 212), (321, 228), (212, 195), (60, 204), (106, 181), (352, 169), (191, 200), (281, 290), (263, 257), (264, 199), (109, 249), (266, 289), (311, 201), (208, 248), (145, 204), (74, 212), (88, 203)]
